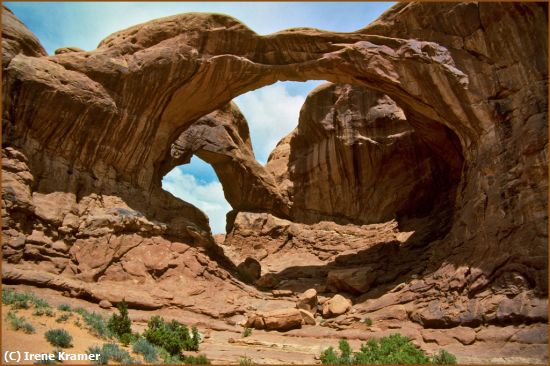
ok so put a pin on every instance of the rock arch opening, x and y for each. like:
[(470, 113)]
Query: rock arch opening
[(356, 157), (197, 183), (231, 150)]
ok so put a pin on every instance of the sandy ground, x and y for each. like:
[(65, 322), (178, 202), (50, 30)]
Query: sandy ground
[(224, 343), (36, 343)]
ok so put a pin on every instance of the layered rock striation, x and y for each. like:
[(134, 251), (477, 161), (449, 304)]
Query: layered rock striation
[(468, 115)]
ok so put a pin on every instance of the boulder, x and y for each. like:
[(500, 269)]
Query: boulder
[(337, 305), (250, 270), (282, 293), (105, 304), (281, 320), (307, 317), (353, 280), (308, 301), (269, 280)]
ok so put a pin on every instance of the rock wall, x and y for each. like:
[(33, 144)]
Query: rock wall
[(119, 108), (354, 158)]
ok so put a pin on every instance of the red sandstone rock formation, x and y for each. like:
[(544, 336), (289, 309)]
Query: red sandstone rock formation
[(87, 136)]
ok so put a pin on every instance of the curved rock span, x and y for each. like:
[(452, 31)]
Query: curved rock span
[(415, 182)]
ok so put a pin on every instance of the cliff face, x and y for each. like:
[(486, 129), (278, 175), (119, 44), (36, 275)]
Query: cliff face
[(355, 158), (441, 106)]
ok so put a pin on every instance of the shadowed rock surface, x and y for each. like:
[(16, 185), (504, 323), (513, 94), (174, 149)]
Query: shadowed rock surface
[(455, 253)]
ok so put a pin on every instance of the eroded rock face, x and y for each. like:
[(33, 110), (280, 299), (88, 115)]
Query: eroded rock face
[(444, 65), (17, 39), (355, 158), (98, 247)]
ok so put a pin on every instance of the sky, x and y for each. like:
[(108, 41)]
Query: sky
[(272, 111)]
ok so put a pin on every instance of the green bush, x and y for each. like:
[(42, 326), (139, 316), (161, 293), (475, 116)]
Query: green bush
[(59, 338), (20, 323), (246, 361), (390, 350), (9, 297), (20, 304), (174, 337), (169, 359), (103, 358), (367, 321), (143, 347), (111, 351), (443, 358), (63, 318), (128, 338), (64, 307), (115, 353), (247, 332), (43, 311), (198, 360), (120, 324), (97, 324)]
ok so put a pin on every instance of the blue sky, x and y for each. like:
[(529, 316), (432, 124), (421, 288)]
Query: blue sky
[(272, 112)]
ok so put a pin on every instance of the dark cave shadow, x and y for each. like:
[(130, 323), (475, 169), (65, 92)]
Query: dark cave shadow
[(391, 263)]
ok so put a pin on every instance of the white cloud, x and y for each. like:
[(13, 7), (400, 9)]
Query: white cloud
[(271, 113), (206, 196)]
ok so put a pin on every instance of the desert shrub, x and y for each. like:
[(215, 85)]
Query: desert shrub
[(63, 318), (45, 361), (96, 323), (20, 323), (444, 358), (169, 359), (173, 336), (367, 321), (115, 353), (64, 307), (247, 332), (43, 311), (9, 297), (120, 324), (246, 361), (20, 304), (128, 338), (56, 359), (143, 347), (59, 338), (103, 358), (196, 360), (393, 349)]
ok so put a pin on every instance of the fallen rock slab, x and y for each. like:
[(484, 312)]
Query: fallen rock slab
[(280, 319)]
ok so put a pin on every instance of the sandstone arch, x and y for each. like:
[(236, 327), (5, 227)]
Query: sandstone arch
[(123, 104), (222, 59), (222, 139)]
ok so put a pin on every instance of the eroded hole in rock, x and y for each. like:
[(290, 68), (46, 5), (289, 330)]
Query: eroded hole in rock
[(233, 150), (355, 158), (198, 184), (357, 184)]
